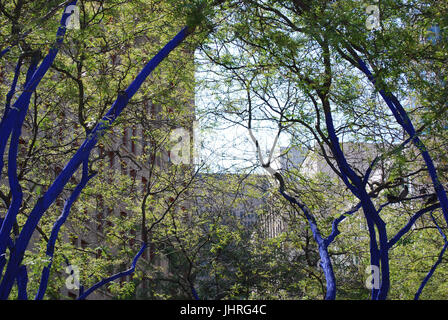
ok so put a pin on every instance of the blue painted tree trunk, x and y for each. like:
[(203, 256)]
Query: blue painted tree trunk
[(379, 255), (16, 189), (322, 243), (403, 119)]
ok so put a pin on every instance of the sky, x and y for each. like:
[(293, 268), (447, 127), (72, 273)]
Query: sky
[(225, 145)]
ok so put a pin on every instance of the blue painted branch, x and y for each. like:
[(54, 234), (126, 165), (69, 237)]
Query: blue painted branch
[(115, 276), (194, 293), (369, 171), (431, 272), (58, 224), (410, 223), (325, 259), (374, 251), (372, 164), (12, 124), (4, 51), (334, 227), (403, 119), (3, 123), (89, 143), (24, 99), (357, 187), (12, 91), (365, 69), (438, 228), (436, 264), (350, 178), (9, 243), (379, 255), (16, 189), (22, 283)]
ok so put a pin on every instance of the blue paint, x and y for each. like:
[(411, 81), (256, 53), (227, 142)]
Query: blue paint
[(101, 283), (22, 282), (4, 51), (16, 190), (194, 293), (378, 255), (11, 92), (411, 222), (13, 126), (58, 224), (321, 243), (334, 227), (434, 267), (89, 143), (403, 119), (5, 126)]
